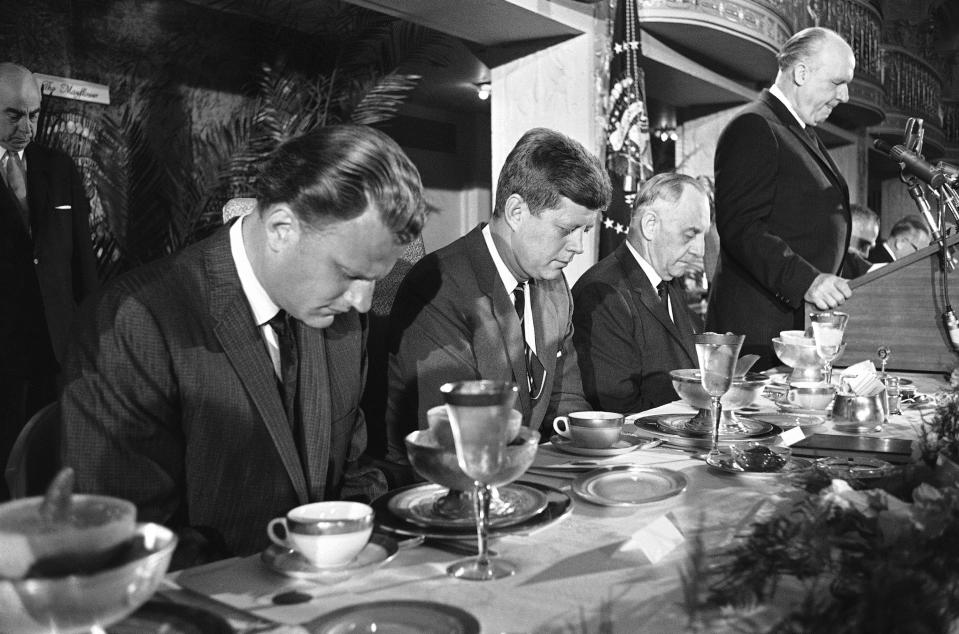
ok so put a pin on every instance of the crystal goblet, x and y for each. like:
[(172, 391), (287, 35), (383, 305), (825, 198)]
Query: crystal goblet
[(479, 412), (828, 329), (717, 363)]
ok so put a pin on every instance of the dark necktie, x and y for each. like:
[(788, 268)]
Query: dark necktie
[(289, 362), (519, 303), (15, 176), (662, 289)]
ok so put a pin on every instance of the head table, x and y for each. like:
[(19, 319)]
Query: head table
[(598, 569)]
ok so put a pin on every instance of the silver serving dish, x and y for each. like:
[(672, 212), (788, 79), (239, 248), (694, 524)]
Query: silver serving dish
[(77, 603), (806, 364)]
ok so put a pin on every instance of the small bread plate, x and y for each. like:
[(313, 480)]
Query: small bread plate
[(724, 462), (289, 563), (625, 444), (164, 617), (423, 617), (854, 467), (513, 503), (788, 420), (558, 506), (628, 485)]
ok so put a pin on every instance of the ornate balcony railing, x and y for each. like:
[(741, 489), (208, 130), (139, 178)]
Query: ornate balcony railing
[(950, 128), (761, 24), (860, 24), (912, 88)]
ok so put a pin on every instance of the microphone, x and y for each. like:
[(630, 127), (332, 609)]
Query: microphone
[(914, 164)]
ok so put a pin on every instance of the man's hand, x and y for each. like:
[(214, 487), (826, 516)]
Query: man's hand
[(828, 291)]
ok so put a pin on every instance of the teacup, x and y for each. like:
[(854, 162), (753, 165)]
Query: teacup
[(593, 430), (859, 414), (438, 420), (810, 395), (327, 534)]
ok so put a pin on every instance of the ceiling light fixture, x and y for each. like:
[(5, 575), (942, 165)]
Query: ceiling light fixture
[(483, 91)]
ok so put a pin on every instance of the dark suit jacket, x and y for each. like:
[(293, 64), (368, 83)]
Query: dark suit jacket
[(854, 265), (171, 401), (626, 342), (880, 254), (782, 210), (44, 276), (453, 320)]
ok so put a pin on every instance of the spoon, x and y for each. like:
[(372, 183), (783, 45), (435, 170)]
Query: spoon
[(743, 365)]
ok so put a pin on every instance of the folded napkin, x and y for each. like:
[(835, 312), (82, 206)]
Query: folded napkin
[(655, 540), (858, 369), (862, 379)]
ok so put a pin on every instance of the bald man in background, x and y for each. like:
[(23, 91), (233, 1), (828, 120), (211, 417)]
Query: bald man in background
[(47, 264)]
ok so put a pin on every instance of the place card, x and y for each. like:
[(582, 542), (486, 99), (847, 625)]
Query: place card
[(791, 436), (655, 540)]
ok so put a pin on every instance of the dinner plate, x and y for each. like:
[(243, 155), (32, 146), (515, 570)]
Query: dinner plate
[(787, 420), (628, 485), (625, 444), (724, 462), (397, 617), (855, 467), (289, 563), (677, 436), (514, 503), (558, 506), (156, 617)]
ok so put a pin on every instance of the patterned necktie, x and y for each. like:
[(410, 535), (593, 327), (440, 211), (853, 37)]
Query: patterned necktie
[(289, 362), (662, 289), (15, 176), (519, 303)]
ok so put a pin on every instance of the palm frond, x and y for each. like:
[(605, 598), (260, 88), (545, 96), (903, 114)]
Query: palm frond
[(383, 99)]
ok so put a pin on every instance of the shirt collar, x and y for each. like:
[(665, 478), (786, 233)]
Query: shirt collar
[(648, 269), (506, 276), (19, 154), (256, 296), (781, 96)]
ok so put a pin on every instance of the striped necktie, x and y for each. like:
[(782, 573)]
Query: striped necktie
[(519, 303)]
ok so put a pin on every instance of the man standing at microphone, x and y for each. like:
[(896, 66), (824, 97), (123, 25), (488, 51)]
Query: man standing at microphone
[(782, 207)]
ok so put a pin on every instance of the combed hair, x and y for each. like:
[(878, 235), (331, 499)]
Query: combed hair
[(862, 215), (907, 225), (803, 45), (545, 166), (668, 186), (336, 173)]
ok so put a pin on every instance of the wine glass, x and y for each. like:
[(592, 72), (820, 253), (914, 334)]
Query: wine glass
[(717, 364), (479, 412), (828, 329)]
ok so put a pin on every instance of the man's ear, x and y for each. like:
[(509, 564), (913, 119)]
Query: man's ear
[(800, 73), (649, 224), (282, 226), (515, 211)]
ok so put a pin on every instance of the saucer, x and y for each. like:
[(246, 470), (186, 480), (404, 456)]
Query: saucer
[(727, 464), (625, 444), (787, 420), (424, 617), (628, 485), (791, 408), (517, 502), (289, 563), (857, 468)]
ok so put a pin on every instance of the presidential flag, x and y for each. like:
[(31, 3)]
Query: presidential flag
[(628, 157)]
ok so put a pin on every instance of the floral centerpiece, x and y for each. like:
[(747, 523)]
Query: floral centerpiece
[(837, 556)]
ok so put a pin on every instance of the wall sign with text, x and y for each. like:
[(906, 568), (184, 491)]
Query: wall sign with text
[(73, 89)]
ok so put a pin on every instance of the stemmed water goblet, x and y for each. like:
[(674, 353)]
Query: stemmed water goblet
[(479, 412), (717, 363), (827, 329)]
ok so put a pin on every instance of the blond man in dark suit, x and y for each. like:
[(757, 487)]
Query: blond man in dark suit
[(782, 207), (219, 388)]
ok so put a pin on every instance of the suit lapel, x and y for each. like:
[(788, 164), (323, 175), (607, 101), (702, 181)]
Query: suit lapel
[(642, 291), (244, 347), (816, 148), (500, 304)]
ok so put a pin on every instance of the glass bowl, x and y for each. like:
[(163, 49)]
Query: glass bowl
[(754, 456), (77, 603), (744, 391)]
